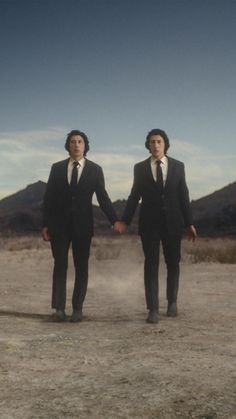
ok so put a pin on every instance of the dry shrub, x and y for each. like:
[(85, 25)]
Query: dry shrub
[(105, 248), (107, 251), (18, 243), (213, 250)]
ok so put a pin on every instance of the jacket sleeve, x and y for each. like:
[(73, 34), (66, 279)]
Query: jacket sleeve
[(185, 201), (103, 198), (133, 199)]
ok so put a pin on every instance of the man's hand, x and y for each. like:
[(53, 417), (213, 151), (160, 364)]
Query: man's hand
[(191, 233), (120, 227), (45, 234)]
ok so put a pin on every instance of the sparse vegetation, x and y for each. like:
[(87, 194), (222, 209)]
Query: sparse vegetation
[(107, 251), (18, 243), (212, 250)]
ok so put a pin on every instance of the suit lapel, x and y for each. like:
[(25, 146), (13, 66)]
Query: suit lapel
[(84, 173), (86, 176), (65, 171), (169, 172), (148, 170)]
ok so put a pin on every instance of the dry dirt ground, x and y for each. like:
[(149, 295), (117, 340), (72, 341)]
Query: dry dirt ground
[(113, 364)]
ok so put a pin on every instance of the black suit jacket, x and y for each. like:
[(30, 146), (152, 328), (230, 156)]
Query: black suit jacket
[(60, 206), (173, 202)]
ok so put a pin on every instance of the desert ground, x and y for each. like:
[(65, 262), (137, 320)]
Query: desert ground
[(114, 365)]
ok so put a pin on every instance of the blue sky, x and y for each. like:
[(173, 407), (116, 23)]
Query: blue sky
[(116, 69)]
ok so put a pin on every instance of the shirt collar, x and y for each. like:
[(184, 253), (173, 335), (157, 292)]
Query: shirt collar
[(163, 160), (81, 162)]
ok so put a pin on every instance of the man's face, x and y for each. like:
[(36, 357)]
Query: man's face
[(76, 147), (157, 146)]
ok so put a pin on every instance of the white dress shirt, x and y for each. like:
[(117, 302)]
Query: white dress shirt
[(80, 167), (164, 168)]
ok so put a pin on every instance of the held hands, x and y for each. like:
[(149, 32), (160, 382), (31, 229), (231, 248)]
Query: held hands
[(119, 227), (191, 233)]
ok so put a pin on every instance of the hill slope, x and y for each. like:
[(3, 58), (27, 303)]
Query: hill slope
[(214, 214)]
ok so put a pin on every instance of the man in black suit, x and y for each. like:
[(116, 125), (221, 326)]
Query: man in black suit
[(68, 218), (165, 211)]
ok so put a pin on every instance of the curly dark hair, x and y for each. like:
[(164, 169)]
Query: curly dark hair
[(157, 131), (82, 134)]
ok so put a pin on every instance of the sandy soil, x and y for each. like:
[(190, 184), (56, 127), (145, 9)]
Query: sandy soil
[(113, 364)]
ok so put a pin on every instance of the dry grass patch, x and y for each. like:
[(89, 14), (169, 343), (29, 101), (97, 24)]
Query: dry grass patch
[(212, 250), (18, 243), (218, 250)]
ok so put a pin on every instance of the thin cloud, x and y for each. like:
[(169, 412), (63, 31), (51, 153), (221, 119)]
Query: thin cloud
[(27, 156), (205, 171)]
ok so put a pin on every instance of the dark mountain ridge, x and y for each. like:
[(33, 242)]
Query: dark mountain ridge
[(30, 197), (21, 212), (214, 214)]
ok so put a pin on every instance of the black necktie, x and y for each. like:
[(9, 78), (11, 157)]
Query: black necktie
[(74, 176), (159, 175)]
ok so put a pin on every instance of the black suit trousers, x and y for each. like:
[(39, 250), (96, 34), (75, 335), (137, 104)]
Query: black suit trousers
[(171, 245), (60, 245)]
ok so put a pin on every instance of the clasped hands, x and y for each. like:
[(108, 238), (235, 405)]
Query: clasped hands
[(119, 227)]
